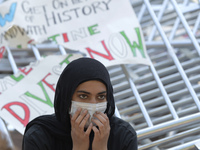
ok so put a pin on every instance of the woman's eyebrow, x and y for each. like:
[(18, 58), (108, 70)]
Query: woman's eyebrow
[(104, 92), (81, 91)]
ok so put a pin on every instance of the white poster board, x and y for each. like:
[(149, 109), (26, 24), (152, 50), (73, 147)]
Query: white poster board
[(30, 93), (107, 30)]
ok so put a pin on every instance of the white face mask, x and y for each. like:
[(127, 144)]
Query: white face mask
[(92, 108)]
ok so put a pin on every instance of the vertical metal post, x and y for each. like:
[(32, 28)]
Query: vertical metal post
[(185, 24), (197, 24), (153, 70), (162, 10), (137, 96), (141, 12), (62, 50), (164, 93), (5, 136), (36, 52), (177, 22), (12, 61)]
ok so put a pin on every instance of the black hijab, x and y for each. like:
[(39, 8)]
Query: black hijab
[(77, 72)]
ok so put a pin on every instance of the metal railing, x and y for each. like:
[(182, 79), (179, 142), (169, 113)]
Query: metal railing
[(169, 89)]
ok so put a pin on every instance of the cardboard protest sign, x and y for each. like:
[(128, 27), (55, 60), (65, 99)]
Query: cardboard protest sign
[(107, 30), (30, 93)]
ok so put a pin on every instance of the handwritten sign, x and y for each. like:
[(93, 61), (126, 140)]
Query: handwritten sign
[(29, 94), (107, 30)]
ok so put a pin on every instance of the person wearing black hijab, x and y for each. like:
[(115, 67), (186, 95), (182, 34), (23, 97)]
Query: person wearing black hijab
[(54, 132)]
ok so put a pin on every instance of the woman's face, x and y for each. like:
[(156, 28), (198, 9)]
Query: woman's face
[(92, 91)]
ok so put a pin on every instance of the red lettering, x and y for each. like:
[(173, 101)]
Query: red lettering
[(25, 72), (49, 85), (30, 41), (65, 37), (109, 56), (26, 110), (2, 50)]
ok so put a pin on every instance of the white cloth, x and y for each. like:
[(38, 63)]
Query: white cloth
[(92, 108)]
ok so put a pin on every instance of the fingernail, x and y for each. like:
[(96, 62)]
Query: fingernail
[(79, 108)]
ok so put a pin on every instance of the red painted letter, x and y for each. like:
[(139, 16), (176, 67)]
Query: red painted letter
[(2, 49), (65, 37), (49, 85), (109, 56), (25, 72), (26, 110)]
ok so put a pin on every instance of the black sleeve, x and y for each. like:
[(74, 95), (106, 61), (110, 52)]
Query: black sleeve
[(36, 139), (122, 135), (132, 141)]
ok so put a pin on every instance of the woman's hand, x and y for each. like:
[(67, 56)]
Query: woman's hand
[(80, 137), (101, 135)]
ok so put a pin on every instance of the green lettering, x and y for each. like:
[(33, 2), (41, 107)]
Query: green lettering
[(135, 45), (93, 30), (47, 101), (53, 38), (19, 46), (20, 77), (66, 59)]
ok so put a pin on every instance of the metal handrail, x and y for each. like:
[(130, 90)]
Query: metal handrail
[(168, 126)]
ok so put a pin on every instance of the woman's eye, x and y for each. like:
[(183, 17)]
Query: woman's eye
[(101, 97), (82, 96)]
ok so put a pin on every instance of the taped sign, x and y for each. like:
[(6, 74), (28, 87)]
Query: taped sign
[(32, 91)]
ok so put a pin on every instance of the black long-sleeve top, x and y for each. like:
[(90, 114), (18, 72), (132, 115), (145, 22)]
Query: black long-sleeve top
[(37, 137)]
